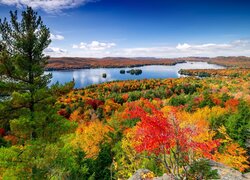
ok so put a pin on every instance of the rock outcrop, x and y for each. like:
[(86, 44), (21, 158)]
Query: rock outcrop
[(225, 173)]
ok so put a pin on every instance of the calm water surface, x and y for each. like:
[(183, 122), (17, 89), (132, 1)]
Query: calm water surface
[(85, 77)]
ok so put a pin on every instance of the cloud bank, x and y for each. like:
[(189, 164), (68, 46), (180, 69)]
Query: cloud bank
[(100, 49), (46, 5), (234, 48), (94, 46)]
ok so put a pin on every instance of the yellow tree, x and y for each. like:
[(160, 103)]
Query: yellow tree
[(232, 154), (89, 137)]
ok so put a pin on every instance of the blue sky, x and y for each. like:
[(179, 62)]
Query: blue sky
[(139, 28)]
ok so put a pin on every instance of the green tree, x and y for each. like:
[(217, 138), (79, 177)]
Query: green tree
[(22, 60), (200, 169), (29, 114)]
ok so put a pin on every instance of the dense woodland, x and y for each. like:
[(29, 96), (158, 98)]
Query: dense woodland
[(109, 62), (110, 130)]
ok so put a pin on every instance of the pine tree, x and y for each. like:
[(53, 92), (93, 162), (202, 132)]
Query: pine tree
[(29, 115), (22, 61)]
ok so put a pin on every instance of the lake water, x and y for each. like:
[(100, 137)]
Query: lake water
[(85, 77)]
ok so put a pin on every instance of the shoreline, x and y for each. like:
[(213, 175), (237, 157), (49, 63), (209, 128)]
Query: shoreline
[(73, 63), (114, 66), (130, 66)]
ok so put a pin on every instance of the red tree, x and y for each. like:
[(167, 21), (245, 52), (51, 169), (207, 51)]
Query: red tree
[(163, 136)]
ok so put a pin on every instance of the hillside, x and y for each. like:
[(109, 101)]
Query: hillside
[(116, 128), (211, 115), (81, 63)]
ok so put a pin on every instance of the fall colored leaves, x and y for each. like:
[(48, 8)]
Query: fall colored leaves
[(176, 120)]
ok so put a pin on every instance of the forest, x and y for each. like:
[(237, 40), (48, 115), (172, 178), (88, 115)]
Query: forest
[(110, 130), (64, 63)]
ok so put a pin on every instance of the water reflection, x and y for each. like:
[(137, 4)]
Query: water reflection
[(91, 76), (85, 77)]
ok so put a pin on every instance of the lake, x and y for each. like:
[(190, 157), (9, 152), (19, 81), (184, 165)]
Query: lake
[(86, 77)]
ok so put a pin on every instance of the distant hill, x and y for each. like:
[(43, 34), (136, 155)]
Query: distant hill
[(64, 63)]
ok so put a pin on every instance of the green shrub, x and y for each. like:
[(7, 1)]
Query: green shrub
[(202, 170), (178, 100), (203, 74)]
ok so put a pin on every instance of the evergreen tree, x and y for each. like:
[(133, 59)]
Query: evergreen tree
[(22, 61), (22, 46), (29, 114)]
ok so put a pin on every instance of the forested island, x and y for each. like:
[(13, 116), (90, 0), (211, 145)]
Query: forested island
[(172, 127)]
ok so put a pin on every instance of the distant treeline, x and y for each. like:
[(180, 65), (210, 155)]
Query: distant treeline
[(132, 71), (65, 63)]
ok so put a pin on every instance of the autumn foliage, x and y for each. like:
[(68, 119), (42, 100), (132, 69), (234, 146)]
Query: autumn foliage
[(89, 137), (110, 130), (165, 134), (163, 125)]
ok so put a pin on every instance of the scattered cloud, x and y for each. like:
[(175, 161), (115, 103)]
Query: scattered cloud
[(188, 47), (234, 48), (94, 46), (56, 37), (46, 5), (183, 46), (100, 49), (55, 51)]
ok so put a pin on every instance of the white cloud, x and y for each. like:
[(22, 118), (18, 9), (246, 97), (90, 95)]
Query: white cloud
[(234, 48), (209, 46), (55, 51), (241, 42), (56, 37), (75, 46), (184, 46), (46, 5), (99, 49), (94, 46), (160, 51)]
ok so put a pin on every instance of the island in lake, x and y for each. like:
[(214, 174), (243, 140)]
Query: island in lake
[(90, 76)]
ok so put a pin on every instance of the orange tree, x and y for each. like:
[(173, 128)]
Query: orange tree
[(162, 136)]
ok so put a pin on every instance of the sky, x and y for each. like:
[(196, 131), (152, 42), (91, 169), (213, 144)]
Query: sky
[(142, 28)]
